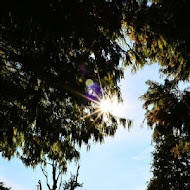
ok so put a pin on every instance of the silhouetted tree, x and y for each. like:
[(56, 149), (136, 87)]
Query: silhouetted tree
[(2, 187), (73, 183), (160, 33), (169, 171), (167, 112), (48, 51), (57, 178)]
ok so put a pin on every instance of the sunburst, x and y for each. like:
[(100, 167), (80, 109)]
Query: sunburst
[(107, 105), (102, 104)]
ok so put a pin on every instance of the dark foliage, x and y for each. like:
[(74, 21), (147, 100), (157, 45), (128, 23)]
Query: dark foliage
[(48, 50), (169, 171), (2, 187), (160, 33), (167, 112)]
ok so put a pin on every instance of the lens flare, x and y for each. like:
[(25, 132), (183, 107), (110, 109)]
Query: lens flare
[(105, 105)]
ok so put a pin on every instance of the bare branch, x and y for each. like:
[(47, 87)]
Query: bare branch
[(60, 184), (46, 175)]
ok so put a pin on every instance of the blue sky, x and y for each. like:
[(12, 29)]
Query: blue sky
[(121, 163)]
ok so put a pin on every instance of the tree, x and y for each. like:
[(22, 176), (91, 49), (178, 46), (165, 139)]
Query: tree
[(60, 46), (73, 183), (160, 33), (167, 112), (48, 52), (2, 187), (57, 178), (169, 171)]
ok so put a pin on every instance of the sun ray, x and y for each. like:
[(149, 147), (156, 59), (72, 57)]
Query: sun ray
[(103, 103), (98, 116), (99, 80), (104, 106), (88, 115)]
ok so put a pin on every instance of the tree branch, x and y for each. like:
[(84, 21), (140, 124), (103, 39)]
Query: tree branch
[(46, 175)]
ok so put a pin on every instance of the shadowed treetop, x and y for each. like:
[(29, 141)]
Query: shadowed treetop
[(48, 50)]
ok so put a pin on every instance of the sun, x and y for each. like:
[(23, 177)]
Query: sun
[(108, 105), (105, 105)]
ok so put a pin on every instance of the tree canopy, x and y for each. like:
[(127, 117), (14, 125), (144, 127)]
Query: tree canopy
[(48, 52), (2, 186), (160, 34), (167, 112), (58, 57), (169, 172)]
